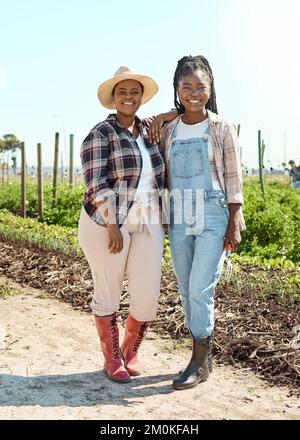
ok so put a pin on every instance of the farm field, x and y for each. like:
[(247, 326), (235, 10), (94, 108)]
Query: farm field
[(257, 311)]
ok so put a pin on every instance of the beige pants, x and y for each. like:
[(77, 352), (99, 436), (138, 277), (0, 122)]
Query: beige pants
[(140, 259)]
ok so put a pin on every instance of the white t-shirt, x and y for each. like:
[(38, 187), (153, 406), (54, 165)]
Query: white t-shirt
[(147, 179), (188, 131)]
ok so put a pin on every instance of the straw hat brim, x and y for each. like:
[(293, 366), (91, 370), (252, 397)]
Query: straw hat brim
[(106, 88)]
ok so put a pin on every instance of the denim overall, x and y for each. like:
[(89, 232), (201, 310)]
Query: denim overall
[(197, 252)]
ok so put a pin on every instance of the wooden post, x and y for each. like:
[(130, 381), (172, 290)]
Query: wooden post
[(55, 169), (71, 162), (40, 181), (261, 150), (23, 180)]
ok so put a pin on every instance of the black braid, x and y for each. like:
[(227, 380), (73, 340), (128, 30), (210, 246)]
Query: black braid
[(188, 65)]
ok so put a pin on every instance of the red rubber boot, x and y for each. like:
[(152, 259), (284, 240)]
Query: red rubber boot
[(134, 334), (109, 337)]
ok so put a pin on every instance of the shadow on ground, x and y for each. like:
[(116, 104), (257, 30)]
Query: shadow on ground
[(85, 389)]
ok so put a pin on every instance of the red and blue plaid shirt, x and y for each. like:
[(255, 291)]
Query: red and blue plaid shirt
[(112, 165)]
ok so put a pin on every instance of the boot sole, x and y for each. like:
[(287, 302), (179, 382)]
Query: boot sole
[(182, 386), (117, 380)]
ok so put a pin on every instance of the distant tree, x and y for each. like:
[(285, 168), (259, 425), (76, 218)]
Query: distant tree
[(2, 145), (10, 142)]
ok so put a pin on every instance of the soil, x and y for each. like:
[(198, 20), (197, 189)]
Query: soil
[(51, 368)]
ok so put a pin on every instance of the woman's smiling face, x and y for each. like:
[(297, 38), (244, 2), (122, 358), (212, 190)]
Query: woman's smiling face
[(194, 91), (128, 96)]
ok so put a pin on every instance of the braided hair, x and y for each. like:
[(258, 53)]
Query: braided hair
[(188, 65)]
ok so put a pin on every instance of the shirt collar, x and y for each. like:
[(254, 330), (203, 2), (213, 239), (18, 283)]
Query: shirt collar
[(112, 120), (213, 119)]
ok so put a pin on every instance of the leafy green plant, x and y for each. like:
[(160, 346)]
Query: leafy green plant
[(45, 236), (273, 221), (5, 290)]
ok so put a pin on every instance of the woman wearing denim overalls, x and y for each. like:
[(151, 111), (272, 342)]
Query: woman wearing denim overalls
[(202, 157)]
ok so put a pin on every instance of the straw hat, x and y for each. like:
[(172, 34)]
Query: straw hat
[(105, 89)]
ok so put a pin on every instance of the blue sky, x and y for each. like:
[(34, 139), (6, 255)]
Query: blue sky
[(54, 54)]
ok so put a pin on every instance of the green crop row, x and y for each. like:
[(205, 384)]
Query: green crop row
[(31, 231), (273, 220), (268, 278)]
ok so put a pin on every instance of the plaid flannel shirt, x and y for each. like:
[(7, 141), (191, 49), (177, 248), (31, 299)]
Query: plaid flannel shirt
[(226, 151), (112, 165)]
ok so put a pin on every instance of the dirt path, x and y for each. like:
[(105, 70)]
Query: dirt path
[(51, 368)]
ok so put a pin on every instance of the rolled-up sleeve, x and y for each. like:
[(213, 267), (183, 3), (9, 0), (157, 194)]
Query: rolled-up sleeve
[(94, 155), (232, 166)]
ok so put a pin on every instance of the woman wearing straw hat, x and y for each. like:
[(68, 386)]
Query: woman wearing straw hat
[(120, 230)]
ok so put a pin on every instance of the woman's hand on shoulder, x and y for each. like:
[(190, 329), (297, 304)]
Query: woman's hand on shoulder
[(155, 129), (156, 126)]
